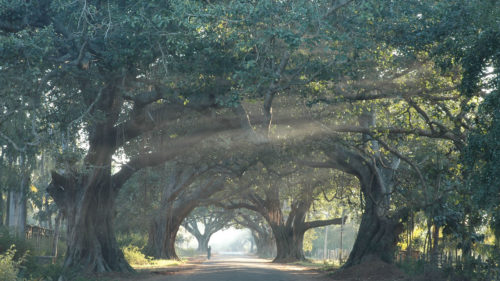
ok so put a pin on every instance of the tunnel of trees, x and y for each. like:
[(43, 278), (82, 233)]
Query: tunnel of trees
[(256, 114)]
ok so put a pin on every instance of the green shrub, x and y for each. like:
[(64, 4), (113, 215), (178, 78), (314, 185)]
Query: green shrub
[(45, 272), (134, 255), (413, 267), (9, 267), (7, 239)]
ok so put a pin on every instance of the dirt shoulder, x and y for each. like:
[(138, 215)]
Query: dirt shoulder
[(154, 273)]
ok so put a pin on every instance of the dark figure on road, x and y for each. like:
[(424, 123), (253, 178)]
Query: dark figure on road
[(209, 252)]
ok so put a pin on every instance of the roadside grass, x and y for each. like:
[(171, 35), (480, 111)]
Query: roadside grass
[(155, 264), (140, 261), (323, 265)]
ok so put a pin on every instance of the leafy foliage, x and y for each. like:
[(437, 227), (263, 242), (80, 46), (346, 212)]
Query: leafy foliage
[(9, 268)]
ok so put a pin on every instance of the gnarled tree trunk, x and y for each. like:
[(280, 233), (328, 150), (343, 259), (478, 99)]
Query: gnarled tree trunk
[(289, 244), (289, 233), (202, 243), (377, 237), (162, 234), (87, 202), (379, 229)]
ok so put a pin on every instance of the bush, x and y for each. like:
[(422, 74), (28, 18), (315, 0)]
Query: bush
[(9, 267), (7, 240), (413, 267), (134, 255), (45, 272), (475, 269)]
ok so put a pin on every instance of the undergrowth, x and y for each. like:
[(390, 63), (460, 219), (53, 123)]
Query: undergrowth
[(9, 267)]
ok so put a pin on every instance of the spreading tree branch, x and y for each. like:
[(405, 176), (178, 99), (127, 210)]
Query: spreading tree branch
[(320, 223)]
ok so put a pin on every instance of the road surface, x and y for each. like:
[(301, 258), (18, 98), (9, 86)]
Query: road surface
[(243, 268)]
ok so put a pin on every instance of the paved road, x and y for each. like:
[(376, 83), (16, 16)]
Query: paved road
[(242, 268)]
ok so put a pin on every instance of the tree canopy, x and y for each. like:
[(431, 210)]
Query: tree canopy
[(392, 107)]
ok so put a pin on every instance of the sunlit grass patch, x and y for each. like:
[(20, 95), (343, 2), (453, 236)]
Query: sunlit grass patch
[(158, 264), (325, 265), (134, 256)]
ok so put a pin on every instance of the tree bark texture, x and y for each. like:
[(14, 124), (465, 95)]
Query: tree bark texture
[(289, 244), (87, 202), (162, 234), (379, 229)]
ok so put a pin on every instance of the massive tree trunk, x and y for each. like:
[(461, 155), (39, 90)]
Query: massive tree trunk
[(86, 197), (162, 234), (377, 236), (288, 233), (165, 225), (289, 244), (87, 202), (380, 228), (290, 236), (202, 243)]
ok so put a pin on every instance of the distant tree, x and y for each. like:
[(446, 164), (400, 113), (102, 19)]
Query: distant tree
[(261, 232), (183, 192), (269, 196), (211, 221)]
